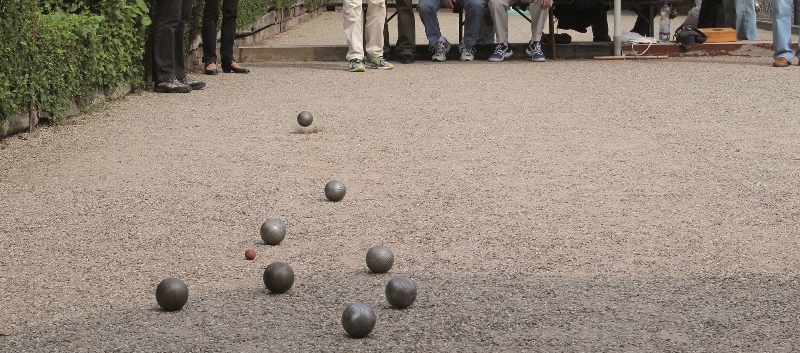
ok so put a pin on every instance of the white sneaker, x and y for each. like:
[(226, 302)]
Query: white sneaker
[(467, 52), (440, 49)]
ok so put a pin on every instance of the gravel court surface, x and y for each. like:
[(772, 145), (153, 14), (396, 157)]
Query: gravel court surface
[(565, 206)]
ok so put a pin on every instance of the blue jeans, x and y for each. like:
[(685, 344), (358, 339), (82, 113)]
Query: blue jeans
[(473, 13), (782, 29), (741, 14)]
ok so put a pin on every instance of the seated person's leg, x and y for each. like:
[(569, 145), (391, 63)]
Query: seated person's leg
[(499, 12), (642, 26), (539, 14), (473, 15), (427, 14)]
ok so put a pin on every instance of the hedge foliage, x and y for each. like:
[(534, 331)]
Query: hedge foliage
[(58, 51)]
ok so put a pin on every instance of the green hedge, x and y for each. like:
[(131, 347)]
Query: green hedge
[(58, 51)]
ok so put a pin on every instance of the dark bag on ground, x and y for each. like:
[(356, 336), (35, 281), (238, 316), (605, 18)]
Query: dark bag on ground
[(688, 36)]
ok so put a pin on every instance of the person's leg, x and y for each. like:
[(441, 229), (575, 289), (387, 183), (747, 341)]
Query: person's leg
[(694, 14), (538, 19), (708, 17), (427, 13), (353, 28), (600, 25), (473, 15), (376, 19), (209, 31), (499, 11), (169, 14), (406, 26), (180, 58), (782, 29), (230, 13), (641, 25), (746, 20)]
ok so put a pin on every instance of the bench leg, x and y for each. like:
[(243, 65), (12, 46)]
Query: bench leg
[(552, 28)]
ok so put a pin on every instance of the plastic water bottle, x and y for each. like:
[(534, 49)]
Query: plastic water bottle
[(663, 28)]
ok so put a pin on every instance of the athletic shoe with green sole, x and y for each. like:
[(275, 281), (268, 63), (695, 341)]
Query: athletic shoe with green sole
[(379, 63), (355, 65)]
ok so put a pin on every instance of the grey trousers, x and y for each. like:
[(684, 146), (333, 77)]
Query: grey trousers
[(499, 10)]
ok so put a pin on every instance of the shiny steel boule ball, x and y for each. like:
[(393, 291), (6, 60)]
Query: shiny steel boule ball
[(358, 320), (305, 118), (278, 277), (172, 294), (380, 259), (401, 292), (272, 231), (335, 190)]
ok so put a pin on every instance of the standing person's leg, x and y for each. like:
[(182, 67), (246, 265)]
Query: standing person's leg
[(209, 35), (746, 20), (354, 32), (538, 19), (230, 14), (376, 21), (600, 24), (499, 11), (782, 32), (168, 14), (180, 58), (406, 31)]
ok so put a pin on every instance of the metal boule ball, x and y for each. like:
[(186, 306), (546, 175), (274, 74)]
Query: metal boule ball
[(380, 259), (358, 320), (273, 231), (278, 277), (335, 190), (172, 294), (305, 118), (401, 292)]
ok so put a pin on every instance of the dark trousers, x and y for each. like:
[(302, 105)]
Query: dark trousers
[(169, 22), (230, 12), (406, 36), (641, 25)]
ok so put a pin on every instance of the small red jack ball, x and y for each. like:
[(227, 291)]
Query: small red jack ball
[(249, 254)]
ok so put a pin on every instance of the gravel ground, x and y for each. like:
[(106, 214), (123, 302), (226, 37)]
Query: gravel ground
[(580, 205)]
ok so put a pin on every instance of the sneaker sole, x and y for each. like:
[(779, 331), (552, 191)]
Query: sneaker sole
[(381, 67), (506, 56), (538, 60), (358, 69), (181, 90)]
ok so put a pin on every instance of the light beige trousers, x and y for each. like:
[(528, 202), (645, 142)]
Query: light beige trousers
[(354, 28)]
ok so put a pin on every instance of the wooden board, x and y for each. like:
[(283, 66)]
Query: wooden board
[(719, 35)]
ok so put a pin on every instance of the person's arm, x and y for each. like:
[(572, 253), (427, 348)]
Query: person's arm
[(448, 3), (758, 6)]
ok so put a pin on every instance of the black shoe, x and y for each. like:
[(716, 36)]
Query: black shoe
[(172, 86), (192, 83), (407, 58), (228, 68), (210, 72)]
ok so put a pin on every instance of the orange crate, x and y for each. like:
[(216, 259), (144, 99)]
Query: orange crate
[(718, 35)]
